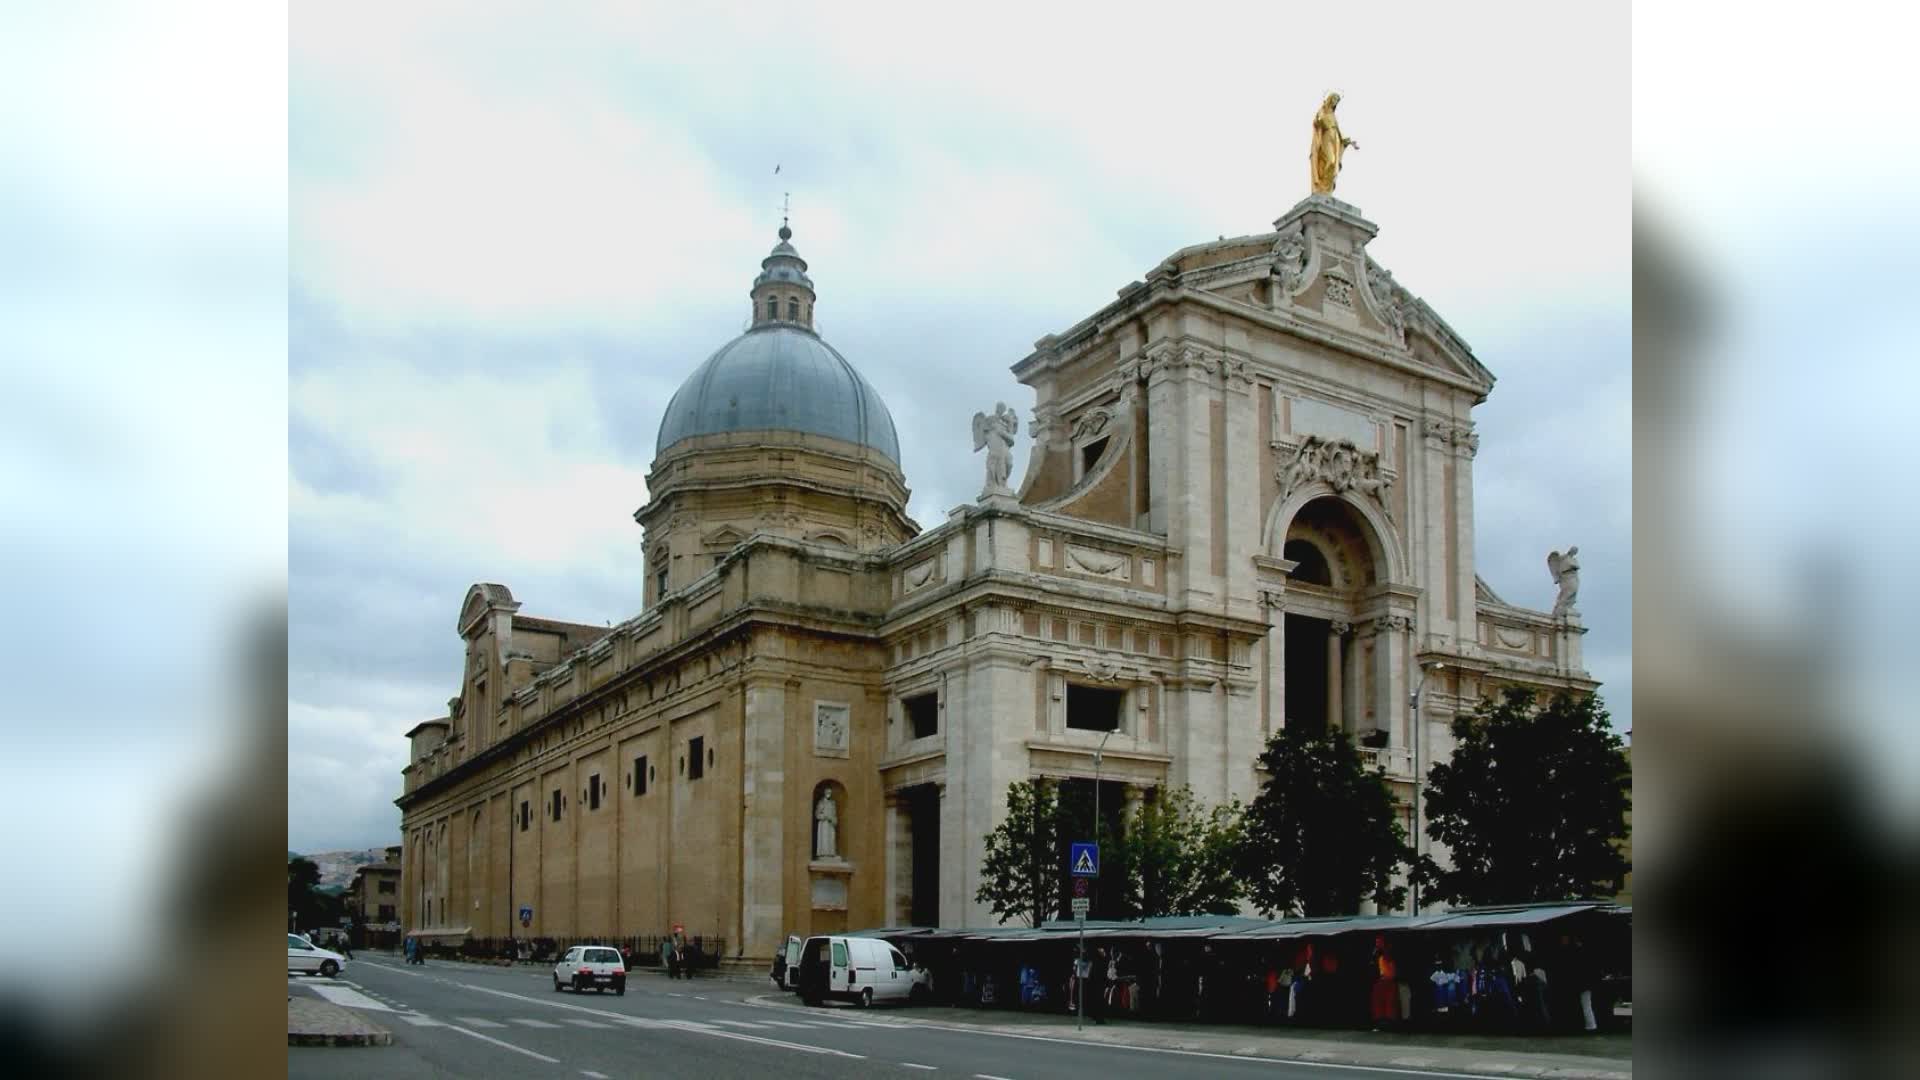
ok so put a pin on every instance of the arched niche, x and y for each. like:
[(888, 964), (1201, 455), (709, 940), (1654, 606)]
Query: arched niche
[(1349, 534)]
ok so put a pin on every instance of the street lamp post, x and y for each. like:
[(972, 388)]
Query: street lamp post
[(1081, 970), (1419, 778)]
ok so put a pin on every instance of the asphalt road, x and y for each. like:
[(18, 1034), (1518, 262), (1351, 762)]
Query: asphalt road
[(496, 1022)]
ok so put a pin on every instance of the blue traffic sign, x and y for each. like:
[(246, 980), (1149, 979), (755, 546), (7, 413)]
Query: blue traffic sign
[(1084, 861)]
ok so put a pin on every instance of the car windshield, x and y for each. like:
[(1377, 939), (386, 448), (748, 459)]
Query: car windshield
[(295, 941), (601, 956)]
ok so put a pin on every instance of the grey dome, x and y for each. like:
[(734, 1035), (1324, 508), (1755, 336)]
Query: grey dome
[(779, 377)]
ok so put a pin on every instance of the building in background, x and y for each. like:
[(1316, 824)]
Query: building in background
[(1248, 502)]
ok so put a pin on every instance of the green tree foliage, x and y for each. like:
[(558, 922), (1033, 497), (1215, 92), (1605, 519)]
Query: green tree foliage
[(1322, 835), (1531, 803), (1023, 876), (1180, 858), (310, 907), (1173, 858)]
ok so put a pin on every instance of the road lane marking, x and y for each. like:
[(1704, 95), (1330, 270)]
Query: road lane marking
[(912, 1065), (349, 997), (787, 1024), (503, 1044), (523, 1022), (589, 1024), (742, 1024), (595, 1075), (692, 1027), (479, 1022), (421, 1020), (984, 1076)]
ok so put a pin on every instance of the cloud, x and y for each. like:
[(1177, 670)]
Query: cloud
[(517, 229)]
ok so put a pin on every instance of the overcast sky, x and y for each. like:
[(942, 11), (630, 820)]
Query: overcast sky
[(512, 235)]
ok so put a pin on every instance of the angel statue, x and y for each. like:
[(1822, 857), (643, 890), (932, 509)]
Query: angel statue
[(994, 433), (1328, 146), (1565, 569)]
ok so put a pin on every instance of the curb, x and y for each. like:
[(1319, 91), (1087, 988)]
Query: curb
[(365, 1038), (312, 1021)]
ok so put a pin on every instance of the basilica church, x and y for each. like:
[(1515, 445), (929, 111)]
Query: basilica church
[(1247, 503)]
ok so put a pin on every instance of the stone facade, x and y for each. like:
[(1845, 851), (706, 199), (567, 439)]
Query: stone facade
[(1248, 502)]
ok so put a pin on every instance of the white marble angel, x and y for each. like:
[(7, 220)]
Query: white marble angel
[(994, 433), (1565, 568)]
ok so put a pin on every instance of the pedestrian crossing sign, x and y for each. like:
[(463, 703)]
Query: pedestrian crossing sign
[(1084, 860)]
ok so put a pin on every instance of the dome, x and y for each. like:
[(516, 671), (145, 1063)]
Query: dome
[(779, 377)]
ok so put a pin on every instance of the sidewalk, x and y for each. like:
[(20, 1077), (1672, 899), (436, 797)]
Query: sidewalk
[(312, 1021), (1598, 1057)]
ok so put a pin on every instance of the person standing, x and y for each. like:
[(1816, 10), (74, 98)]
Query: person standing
[(1096, 988), (1577, 968)]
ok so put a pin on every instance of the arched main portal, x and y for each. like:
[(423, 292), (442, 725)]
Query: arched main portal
[(1341, 626)]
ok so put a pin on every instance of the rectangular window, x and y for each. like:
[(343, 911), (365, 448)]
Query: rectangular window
[(923, 714), (593, 792), (640, 775), (556, 804), (660, 585), (524, 815), (793, 308), (696, 757), (1091, 708), (386, 912), (1090, 455), (386, 887)]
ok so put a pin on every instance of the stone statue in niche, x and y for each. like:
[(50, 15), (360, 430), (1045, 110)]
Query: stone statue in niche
[(994, 434), (1565, 569), (826, 826)]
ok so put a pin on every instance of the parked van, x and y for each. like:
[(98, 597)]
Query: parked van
[(861, 970)]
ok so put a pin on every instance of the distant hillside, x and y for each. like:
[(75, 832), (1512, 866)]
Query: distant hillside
[(337, 867)]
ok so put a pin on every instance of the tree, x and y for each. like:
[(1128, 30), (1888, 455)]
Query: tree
[(1023, 875), (1322, 834), (1531, 803), (303, 902), (1180, 860)]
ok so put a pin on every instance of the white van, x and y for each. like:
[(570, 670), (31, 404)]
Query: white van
[(861, 970)]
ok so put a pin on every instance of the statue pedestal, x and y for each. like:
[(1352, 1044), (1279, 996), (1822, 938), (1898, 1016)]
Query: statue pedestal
[(828, 878)]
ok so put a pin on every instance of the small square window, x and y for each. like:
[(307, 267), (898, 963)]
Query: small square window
[(696, 757), (923, 714)]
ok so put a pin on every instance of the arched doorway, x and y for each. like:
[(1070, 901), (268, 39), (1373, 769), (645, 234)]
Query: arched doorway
[(1338, 650)]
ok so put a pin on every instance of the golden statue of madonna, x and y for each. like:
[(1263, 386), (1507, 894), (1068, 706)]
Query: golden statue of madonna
[(1328, 145)]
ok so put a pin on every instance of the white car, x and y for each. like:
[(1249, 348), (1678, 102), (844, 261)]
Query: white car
[(305, 956), (596, 966)]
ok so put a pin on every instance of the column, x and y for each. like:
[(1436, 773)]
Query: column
[(1336, 711), (763, 817), (1392, 657), (1273, 664), (899, 847)]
